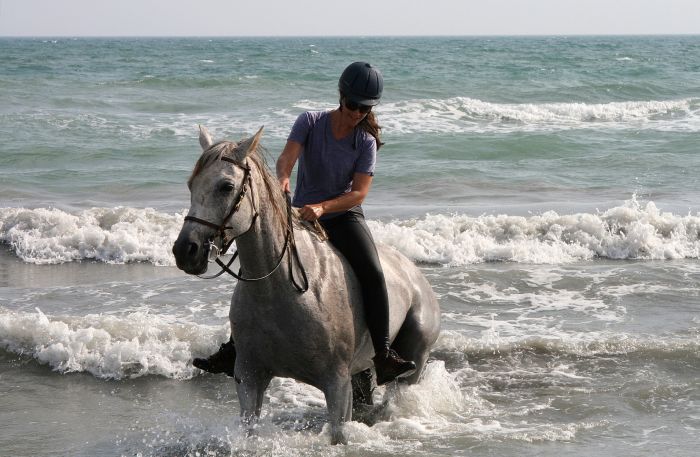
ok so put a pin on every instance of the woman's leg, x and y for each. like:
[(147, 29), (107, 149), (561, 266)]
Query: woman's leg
[(351, 236)]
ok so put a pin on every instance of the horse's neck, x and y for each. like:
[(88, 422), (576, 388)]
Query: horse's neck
[(260, 248)]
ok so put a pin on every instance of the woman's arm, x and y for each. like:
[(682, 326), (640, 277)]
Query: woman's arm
[(361, 183), (285, 163)]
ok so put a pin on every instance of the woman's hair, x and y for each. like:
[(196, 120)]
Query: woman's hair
[(369, 124)]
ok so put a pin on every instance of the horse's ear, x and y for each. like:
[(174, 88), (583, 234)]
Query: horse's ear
[(205, 138), (247, 146)]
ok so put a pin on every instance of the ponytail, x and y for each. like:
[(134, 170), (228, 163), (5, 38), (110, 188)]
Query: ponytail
[(370, 125)]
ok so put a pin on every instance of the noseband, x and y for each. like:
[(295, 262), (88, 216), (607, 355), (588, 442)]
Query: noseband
[(226, 242)]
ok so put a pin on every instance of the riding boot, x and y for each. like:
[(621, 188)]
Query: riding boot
[(389, 366), (221, 361)]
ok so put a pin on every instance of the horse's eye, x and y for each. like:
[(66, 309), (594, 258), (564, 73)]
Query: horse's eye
[(226, 187)]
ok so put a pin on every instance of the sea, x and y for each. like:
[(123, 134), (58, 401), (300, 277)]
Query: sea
[(547, 187)]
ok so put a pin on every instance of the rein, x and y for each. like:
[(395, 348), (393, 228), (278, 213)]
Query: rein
[(289, 241)]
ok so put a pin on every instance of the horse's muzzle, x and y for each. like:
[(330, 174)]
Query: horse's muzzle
[(190, 256)]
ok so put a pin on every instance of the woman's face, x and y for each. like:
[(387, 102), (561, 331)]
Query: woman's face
[(353, 113)]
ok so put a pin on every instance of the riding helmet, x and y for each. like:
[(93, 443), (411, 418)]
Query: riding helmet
[(361, 83)]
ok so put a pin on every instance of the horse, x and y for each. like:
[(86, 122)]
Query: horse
[(301, 318)]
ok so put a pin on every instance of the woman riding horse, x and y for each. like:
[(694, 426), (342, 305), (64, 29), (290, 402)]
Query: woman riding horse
[(337, 151)]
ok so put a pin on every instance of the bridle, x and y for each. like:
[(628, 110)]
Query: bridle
[(226, 242)]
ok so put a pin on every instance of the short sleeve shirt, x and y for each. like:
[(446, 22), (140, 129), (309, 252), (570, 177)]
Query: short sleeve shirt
[(326, 165)]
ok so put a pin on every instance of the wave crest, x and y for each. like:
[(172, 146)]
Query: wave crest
[(631, 231), (113, 347), (115, 235), (121, 235), (462, 114)]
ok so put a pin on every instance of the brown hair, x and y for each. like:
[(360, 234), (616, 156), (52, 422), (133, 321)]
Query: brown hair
[(370, 125)]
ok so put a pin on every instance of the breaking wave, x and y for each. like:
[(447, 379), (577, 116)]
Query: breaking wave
[(451, 115), (463, 114), (141, 343), (633, 231)]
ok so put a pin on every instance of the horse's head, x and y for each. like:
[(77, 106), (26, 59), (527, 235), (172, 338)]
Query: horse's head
[(218, 203)]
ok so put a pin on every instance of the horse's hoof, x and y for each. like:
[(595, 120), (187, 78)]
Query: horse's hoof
[(338, 438)]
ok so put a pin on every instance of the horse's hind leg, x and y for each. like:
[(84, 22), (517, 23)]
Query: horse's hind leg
[(411, 344), (339, 401)]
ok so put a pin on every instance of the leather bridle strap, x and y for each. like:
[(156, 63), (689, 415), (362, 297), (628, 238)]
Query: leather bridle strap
[(288, 241), (226, 244), (247, 182)]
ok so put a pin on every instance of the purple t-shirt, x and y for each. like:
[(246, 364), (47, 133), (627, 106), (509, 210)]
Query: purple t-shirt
[(326, 165)]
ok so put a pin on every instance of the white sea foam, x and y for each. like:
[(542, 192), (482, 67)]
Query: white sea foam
[(631, 231), (463, 114), (506, 337), (120, 235), (117, 235), (452, 115), (137, 343), (107, 346)]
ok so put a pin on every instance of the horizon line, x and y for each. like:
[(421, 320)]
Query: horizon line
[(523, 35)]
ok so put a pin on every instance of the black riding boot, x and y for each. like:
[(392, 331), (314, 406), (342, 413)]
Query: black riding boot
[(221, 361), (389, 366)]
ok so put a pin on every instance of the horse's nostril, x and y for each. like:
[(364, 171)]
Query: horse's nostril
[(184, 249), (192, 249)]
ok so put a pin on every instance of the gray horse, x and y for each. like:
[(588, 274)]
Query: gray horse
[(317, 336)]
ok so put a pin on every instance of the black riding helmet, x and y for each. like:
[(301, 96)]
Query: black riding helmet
[(361, 83)]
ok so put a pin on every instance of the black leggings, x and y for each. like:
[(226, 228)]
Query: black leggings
[(351, 236)]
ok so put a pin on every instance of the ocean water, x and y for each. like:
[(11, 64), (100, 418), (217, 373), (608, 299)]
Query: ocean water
[(547, 187)]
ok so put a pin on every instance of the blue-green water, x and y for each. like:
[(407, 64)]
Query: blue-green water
[(548, 186)]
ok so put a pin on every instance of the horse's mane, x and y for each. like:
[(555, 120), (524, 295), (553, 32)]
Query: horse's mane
[(257, 162)]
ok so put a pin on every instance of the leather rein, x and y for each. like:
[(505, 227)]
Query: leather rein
[(226, 242)]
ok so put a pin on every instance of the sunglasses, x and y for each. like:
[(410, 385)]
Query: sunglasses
[(354, 106)]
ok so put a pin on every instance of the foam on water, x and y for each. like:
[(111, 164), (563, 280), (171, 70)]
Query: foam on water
[(116, 235), (452, 115), (463, 115), (631, 231), (107, 346), (413, 419), (119, 235), (502, 339), (138, 343)]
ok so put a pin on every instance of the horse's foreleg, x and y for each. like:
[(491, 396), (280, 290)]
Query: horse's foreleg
[(251, 390), (339, 401)]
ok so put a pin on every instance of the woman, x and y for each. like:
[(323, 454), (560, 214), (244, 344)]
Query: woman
[(336, 151)]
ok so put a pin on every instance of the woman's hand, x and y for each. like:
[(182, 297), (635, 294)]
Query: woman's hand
[(284, 184), (311, 212)]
